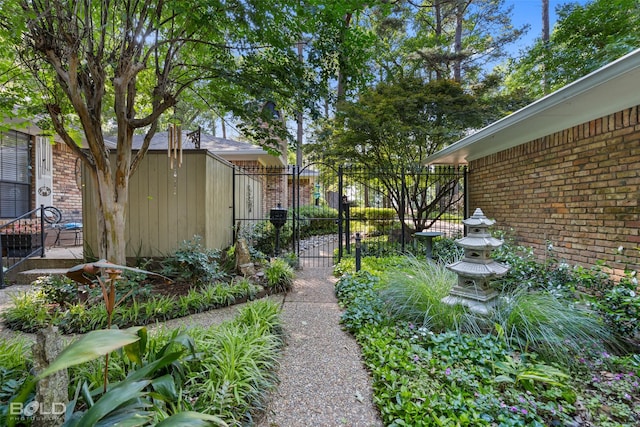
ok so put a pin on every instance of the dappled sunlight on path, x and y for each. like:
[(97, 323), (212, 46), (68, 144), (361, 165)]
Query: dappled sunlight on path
[(323, 380)]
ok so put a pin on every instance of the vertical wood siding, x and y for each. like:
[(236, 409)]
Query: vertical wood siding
[(165, 210)]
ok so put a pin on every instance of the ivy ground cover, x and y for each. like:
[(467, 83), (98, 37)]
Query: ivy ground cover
[(447, 367)]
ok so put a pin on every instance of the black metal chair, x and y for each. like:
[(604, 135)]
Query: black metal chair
[(53, 216)]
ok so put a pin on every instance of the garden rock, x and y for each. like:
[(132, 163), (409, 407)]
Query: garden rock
[(51, 392), (243, 259)]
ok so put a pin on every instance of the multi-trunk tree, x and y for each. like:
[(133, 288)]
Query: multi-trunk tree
[(123, 64)]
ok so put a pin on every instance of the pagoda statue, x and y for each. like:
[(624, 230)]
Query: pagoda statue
[(476, 268)]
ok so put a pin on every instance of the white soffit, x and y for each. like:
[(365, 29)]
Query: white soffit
[(607, 90)]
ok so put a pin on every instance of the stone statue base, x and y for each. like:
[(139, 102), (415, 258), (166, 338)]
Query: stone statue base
[(478, 299)]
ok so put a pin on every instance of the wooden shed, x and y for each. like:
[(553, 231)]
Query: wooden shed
[(168, 206)]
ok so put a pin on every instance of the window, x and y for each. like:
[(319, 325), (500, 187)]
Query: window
[(15, 189)]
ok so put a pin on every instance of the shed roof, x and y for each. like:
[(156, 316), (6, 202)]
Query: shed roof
[(228, 149), (607, 90)]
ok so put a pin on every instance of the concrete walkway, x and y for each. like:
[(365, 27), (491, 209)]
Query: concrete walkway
[(323, 379)]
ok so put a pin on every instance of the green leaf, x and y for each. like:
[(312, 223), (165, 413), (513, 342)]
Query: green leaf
[(135, 350), (165, 386), (503, 379), (183, 339), (130, 416), (111, 400), (90, 347), (154, 366), (191, 419)]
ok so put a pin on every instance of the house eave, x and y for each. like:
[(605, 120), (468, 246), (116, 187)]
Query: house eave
[(602, 92)]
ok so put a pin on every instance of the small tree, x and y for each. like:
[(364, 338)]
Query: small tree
[(391, 130)]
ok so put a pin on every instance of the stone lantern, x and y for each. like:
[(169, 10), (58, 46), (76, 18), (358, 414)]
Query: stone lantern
[(476, 268)]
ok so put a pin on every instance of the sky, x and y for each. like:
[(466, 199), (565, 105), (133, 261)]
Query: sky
[(530, 12)]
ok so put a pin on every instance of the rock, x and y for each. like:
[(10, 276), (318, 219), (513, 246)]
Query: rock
[(247, 269), (243, 258), (51, 392)]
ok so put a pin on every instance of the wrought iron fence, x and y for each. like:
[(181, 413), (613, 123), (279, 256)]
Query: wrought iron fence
[(327, 206), (401, 210)]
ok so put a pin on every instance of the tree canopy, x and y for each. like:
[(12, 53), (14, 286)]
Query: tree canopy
[(391, 129), (584, 39), (431, 87)]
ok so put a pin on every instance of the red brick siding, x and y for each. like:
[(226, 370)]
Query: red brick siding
[(66, 195), (577, 189), (274, 185), (305, 192)]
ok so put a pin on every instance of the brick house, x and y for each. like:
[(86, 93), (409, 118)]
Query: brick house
[(37, 170), (565, 170)]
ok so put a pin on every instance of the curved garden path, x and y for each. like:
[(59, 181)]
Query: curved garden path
[(323, 381)]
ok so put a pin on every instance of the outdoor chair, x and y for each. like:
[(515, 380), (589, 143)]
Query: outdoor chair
[(64, 231)]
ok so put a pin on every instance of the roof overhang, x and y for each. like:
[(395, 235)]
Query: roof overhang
[(259, 155), (607, 90)]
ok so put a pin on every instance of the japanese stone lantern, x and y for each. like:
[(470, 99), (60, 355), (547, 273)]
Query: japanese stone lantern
[(476, 268)]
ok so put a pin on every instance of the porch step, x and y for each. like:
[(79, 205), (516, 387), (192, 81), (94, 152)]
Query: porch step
[(37, 263), (28, 276)]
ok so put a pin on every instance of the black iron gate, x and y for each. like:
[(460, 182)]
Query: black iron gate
[(327, 207), (402, 210), (318, 223)]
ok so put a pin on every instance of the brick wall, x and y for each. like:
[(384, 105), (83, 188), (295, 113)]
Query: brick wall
[(66, 195), (306, 190), (577, 189), (274, 182)]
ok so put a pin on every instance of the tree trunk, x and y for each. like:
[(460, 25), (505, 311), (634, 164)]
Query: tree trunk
[(342, 60), (110, 217), (545, 42), (437, 8), (299, 116), (457, 62), (51, 392), (545, 21)]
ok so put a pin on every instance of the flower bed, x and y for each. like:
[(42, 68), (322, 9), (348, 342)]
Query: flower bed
[(443, 367)]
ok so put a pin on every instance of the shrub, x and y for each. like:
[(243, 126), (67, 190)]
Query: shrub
[(193, 262), (15, 368), (528, 320), (414, 292), (446, 251), (426, 378), (224, 371), (620, 307), (262, 236), (57, 289), (374, 265), (279, 275), (236, 370), (292, 259), (30, 311), (422, 377), (540, 322), (317, 220), (358, 294), (371, 213)]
